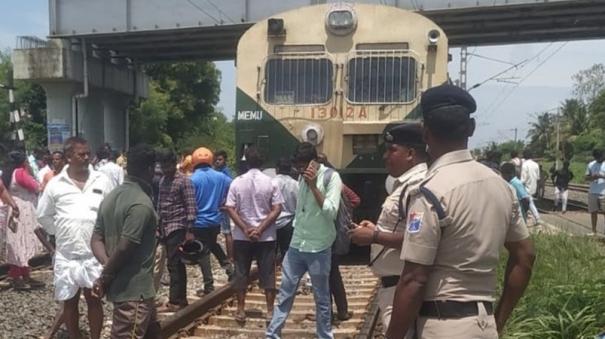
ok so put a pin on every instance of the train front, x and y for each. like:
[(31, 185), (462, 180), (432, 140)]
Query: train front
[(335, 75)]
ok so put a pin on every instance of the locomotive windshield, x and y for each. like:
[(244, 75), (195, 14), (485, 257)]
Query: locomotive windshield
[(381, 79), (298, 81)]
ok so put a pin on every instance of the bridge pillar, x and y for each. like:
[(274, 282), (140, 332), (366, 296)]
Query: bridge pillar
[(59, 112), (58, 65), (114, 116), (90, 119)]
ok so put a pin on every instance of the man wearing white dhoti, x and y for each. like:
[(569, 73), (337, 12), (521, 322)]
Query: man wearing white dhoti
[(68, 209)]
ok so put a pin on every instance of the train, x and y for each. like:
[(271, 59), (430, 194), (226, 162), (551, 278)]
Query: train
[(336, 75)]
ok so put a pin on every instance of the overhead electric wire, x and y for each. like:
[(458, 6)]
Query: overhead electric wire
[(525, 78), (519, 67), (204, 11), (220, 11), (490, 58)]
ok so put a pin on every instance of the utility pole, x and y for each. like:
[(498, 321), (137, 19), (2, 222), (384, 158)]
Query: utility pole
[(14, 114), (558, 141), (463, 64), (515, 129)]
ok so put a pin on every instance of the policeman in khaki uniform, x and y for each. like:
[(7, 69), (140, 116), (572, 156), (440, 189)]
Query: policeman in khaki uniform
[(405, 159), (458, 219)]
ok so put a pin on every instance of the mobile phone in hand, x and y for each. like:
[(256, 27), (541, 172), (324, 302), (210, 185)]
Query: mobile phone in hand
[(314, 165)]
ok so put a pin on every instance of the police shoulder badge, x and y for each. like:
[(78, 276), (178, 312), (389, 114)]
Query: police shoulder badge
[(415, 222)]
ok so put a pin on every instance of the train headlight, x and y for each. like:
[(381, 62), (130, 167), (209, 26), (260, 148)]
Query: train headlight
[(313, 134), (275, 27), (433, 37), (341, 21)]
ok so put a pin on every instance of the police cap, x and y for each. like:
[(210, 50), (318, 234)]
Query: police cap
[(444, 96), (407, 133)]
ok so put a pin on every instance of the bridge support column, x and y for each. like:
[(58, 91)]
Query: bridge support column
[(59, 99), (90, 118), (59, 67), (114, 115)]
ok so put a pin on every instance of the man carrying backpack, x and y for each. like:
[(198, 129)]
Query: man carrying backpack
[(349, 200), (311, 246), (405, 159)]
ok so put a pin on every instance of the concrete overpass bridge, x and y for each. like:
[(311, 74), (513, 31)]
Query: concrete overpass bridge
[(117, 36), (160, 30)]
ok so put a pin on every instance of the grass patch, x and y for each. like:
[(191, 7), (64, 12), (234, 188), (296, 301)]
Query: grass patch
[(565, 298)]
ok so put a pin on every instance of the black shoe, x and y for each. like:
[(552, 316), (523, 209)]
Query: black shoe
[(345, 316), (203, 292)]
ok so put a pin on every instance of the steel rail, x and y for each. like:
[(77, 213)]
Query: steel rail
[(188, 315)]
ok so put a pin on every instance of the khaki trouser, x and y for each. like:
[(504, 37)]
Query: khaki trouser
[(159, 265), (482, 326), (135, 320)]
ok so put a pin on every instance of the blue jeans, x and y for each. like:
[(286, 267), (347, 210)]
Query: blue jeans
[(295, 264), (226, 224)]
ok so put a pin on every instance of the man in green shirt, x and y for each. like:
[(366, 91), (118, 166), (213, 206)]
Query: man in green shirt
[(310, 248), (124, 243)]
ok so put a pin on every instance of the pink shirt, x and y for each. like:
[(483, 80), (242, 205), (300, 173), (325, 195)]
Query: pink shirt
[(252, 194)]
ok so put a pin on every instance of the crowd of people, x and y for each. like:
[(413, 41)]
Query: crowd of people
[(435, 246)]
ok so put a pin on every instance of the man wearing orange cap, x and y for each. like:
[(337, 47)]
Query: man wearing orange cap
[(211, 189)]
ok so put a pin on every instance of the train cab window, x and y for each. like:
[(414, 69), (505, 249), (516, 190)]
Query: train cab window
[(381, 79), (298, 81)]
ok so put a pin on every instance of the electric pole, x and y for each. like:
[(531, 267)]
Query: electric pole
[(463, 63), (558, 141)]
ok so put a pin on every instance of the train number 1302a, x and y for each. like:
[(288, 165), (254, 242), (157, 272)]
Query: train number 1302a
[(333, 113)]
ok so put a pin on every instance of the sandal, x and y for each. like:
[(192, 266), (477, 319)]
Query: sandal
[(21, 285)]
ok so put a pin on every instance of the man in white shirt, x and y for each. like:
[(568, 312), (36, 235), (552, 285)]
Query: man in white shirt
[(530, 174), (253, 203), (289, 190), (68, 210), (108, 166), (595, 173), (515, 160), (44, 160)]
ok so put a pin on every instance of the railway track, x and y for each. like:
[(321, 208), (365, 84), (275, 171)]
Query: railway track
[(213, 315)]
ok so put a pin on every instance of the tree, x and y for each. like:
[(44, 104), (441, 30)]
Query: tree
[(540, 134), (589, 83), (30, 99), (575, 115), (180, 111)]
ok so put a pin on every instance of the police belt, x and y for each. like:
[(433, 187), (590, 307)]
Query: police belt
[(448, 309), (389, 281)]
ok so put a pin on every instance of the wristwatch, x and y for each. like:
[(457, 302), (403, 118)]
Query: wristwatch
[(375, 236)]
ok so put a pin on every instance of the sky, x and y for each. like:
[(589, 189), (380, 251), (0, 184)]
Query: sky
[(504, 106)]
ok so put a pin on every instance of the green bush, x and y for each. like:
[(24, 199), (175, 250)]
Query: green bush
[(565, 296)]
